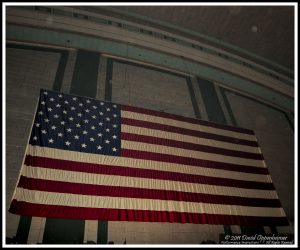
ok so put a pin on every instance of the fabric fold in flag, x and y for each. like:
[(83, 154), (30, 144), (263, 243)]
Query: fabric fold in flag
[(96, 160)]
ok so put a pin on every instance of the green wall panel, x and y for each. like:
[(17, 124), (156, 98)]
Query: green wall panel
[(211, 102), (108, 80), (102, 234), (63, 231), (23, 229), (84, 81)]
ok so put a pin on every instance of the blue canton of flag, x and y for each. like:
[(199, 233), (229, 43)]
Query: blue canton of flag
[(77, 123)]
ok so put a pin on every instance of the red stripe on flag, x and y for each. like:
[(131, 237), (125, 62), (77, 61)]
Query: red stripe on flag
[(143, 193), (188, 145), (27, 209), (185, 119), (141, 173), (191, 161), (184, 131)]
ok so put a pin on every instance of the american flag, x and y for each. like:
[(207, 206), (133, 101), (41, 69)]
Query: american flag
[(96, 160)]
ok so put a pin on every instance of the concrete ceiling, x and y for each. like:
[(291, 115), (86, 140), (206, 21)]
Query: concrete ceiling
[(267, 31)]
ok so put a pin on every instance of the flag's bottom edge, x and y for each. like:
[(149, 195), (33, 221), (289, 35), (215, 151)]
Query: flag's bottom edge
[(84, 213)]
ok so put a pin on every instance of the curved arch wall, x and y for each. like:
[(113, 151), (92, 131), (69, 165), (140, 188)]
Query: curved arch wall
[(47, 47)]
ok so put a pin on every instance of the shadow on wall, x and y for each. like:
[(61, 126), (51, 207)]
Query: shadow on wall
[(14, 240), (208, 242)]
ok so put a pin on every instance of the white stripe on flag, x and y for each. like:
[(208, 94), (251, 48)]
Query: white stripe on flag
[(143, 164), (140, 146), (90, 201), (135, 182), (187, 138), (186, 125)]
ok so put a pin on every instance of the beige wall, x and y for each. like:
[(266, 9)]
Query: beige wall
[(26, 72), (143, 87), (276, 139)]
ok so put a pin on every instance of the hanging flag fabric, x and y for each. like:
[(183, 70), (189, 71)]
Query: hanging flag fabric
[(96, 160)]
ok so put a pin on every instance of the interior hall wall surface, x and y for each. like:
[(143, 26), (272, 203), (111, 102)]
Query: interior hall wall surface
[(127, 83), (142, 87), (27, 70), (274, 131)]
